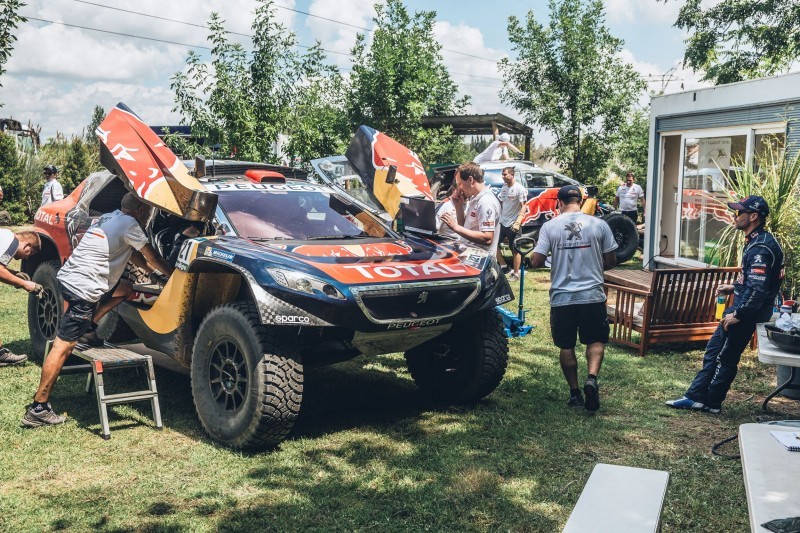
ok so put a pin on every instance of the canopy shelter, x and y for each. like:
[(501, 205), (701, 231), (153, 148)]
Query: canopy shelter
[(483, 125)]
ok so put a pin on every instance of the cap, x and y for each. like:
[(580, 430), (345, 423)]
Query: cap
[(505, 137), (569, 191), (755, 204), (51, 168)]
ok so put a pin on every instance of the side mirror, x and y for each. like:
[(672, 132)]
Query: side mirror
[(199, 166), (391, 176)]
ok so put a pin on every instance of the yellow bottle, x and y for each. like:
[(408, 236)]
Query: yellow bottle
[(721, 301)]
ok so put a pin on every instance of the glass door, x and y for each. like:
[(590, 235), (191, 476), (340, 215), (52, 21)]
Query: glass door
[(706, 163)]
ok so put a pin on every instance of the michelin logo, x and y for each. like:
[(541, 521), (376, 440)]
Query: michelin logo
[(218, 254)]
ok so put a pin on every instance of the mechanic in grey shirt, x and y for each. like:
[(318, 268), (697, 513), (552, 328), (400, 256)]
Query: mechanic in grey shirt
[(581, 247)]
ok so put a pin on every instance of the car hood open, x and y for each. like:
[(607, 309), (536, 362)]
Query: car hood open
[(372, 153), (132, 151)]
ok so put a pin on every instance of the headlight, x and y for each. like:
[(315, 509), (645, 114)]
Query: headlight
[(297, 281)]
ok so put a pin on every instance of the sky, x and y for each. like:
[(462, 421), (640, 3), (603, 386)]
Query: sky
[(61, 67)]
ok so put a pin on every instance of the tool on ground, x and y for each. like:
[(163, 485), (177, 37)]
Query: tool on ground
[(515, 323)]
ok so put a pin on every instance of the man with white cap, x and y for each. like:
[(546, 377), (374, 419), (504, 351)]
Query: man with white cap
[(497, 150)]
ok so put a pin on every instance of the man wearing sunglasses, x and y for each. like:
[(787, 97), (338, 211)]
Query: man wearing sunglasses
[(754, 294), (52, 188)]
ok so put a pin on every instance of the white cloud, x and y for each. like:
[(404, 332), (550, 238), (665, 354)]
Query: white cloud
[(338, 37)]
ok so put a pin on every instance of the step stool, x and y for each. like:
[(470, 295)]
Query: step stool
[(109, 357)]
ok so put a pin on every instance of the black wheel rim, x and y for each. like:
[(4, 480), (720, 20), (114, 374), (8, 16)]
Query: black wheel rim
[(47, 313), (228, 376), (621, 239)]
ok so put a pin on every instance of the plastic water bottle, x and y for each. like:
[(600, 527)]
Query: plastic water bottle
[(721, 301), (785, 321)]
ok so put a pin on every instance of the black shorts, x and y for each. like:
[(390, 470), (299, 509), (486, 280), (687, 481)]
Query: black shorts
[(507, 233), (77, 319), (590, 320), (633, 215)]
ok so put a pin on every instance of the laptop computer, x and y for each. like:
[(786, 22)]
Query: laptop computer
[(419, 214)]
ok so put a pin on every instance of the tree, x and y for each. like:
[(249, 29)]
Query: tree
[(400, 78), (632, 146), (9, 20), (238, 103), (569, 79), (98, 114), (741, 39)]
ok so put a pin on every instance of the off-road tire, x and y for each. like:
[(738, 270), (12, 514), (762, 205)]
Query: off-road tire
[(113, 328), (465, 364), (625, 234), (261, 412), (44, 314)]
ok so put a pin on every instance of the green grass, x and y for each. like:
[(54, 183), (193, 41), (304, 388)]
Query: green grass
[(371, 453)]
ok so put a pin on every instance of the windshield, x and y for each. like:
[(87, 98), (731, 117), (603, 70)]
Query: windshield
[(297, 214), (341, 173)]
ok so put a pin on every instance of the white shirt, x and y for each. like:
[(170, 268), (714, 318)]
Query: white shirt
[(441, 228), (99, 260), (482, 213), (493, 152), (52, 192), (8, 246), (511, 201), (629, 196)]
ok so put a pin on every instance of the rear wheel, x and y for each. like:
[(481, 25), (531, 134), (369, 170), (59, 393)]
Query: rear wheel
[(465, 364), (625, 234), (247, 383), (113, 329), (45, 311)]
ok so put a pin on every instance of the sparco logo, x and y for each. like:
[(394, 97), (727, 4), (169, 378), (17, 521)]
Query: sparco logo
[(414, 323), (288, 319)]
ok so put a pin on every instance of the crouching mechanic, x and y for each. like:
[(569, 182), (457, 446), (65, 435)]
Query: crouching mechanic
[(90, 285), (16, 246), (581, 247)]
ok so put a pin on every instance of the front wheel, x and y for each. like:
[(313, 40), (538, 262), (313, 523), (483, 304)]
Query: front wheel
[(247, 383), (465, 364), (44, 311)]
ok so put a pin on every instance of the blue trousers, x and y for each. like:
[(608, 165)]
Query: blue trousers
[(723, 351)]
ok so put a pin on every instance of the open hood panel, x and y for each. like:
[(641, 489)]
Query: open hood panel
[(371, 153), (132, 151)]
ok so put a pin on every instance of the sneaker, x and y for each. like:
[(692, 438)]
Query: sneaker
[(711, 410), (90, 338), (513, 277), (685, 403), (8, 359), (45, 417), (575, 400), (592, 391)]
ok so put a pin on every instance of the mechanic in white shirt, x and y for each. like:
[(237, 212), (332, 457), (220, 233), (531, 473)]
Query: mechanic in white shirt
[(52, 188), (627, 198), (512, 201), (476, 221), (497, 150)]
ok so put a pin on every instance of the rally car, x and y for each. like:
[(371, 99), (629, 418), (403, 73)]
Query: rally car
[(286, 274)]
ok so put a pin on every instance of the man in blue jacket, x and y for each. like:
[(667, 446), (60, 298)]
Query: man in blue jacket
[(754, 295)]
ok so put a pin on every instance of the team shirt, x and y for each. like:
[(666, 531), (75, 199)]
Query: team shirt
[(482, 214), (99, 260), (441, 228), (511, 201), (629, 196), (52, 192), (577, 242), (8, 246)]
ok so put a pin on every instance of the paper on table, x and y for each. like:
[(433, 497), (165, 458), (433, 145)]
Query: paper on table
[(789, 439)]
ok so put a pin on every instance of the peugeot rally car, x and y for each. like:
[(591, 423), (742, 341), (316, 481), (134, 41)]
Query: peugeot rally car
[(286, 274)]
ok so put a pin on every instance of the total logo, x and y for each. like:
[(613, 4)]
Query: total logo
[(397, 271), (291, 319), (414, 323)]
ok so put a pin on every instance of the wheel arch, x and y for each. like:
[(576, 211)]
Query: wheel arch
[(49, 252)]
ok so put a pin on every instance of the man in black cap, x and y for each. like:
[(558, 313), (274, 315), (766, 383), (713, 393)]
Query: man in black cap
[(52, 191), (753, 298), (581, 247)]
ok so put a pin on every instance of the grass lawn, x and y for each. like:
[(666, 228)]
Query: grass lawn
[(371, 453)]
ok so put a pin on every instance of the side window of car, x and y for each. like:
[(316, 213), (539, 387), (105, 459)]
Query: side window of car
[(558, 182), (537, 181)]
